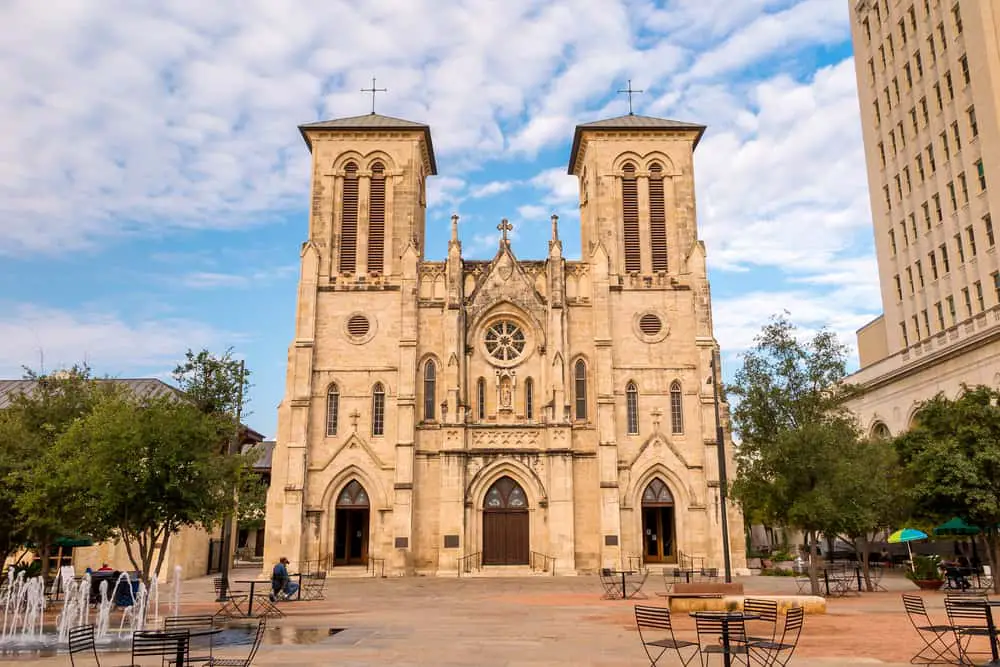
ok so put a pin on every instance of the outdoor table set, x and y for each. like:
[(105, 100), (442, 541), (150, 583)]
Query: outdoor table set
[(960, 640)]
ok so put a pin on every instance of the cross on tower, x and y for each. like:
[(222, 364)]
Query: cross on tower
[(628, 90), (656, 413), (355, 415), (505, 227), (374, 90)]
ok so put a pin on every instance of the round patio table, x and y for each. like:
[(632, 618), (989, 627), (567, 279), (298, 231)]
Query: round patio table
[(726, 617)]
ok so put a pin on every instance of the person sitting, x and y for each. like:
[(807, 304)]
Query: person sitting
[(281, 583)]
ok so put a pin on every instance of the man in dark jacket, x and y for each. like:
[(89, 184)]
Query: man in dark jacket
[(281, 583)]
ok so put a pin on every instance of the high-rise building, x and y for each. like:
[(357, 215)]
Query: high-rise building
[(929, 88)]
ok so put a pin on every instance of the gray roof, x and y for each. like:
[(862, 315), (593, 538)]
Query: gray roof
[(371, 121), (263, 462), (138, 386), (631, 122)]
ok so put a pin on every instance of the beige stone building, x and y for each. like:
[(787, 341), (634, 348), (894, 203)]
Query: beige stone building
[(929, 85), (437, 410)]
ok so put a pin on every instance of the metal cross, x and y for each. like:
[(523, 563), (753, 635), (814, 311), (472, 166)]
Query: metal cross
[(657, 413), (374, 90), (355, 416), (628, 90), (505, 227)]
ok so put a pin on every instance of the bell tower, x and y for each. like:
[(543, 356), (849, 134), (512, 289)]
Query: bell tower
[(636, 177), (369, 178)]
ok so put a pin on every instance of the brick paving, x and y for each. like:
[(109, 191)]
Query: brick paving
[(531, 622)]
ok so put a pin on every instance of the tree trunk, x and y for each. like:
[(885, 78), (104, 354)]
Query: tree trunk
[(43, 554), (992, 551), (865, 565), (163, 551), (813, 557)]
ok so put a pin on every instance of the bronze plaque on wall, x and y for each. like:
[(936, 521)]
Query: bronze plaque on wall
[(611, 540), (451, 541), (402, 542)]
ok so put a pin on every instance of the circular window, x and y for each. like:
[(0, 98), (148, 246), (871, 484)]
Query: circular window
[(359, 328), (650, 324), (504, 340)]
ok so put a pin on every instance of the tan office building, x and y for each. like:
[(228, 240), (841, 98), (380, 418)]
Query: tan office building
[(929, 88)]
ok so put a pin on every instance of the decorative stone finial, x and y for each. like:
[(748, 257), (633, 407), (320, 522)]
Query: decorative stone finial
[(454, 227), (555, 227)]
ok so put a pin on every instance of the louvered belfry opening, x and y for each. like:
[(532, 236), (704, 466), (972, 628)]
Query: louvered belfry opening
[(376, 220), (349, 221), (657, 219), (630, 218)]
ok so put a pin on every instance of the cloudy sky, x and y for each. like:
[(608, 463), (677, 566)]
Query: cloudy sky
[(153, 184)]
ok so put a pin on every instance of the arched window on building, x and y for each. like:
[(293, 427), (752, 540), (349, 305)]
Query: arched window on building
[(632, 408), (657, 218), (332, 409), (580, 389), (378, 409), (880, 431), (430, 395), (376, 220), (676, 408), (630, 218), (529, 399), (349, 220), (481, 399)]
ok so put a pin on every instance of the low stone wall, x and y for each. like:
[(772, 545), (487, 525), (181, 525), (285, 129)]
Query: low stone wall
[(812, 604)]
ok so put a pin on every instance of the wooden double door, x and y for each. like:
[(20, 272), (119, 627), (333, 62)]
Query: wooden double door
[(505, 537), (350, 539)]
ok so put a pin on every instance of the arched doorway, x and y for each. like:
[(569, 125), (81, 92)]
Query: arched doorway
[(658, 524), (505, 524), (350, 525)]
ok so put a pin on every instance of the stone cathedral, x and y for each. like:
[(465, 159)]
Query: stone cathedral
[(457, 413)]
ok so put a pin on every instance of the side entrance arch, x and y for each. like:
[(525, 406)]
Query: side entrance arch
[(350, 525), (505, 524), (658, 527)]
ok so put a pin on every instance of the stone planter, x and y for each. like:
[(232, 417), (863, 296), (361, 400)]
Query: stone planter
[(928, 584)]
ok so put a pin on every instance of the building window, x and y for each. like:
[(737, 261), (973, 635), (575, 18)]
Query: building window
[(909, 279), (919, 62), (930, 158), (378, 409), (376, 220), (430, 393), (332, 409), (952, 197), (973, 125), (963, 183), (970, 233), (957, 134), (916, 326), (924, 111), (902, 330), (964, 62), (881, 153), (349, 220), (956, 12), (961, 248), (676, 408), (951, 310), (529, 399), (892, 241), (940, 315), (920, 273), (657, 219), (944, 145), (933, 51), (913, 226), (942, 37), (967, 297), (979, 295), (988, 223), (996, 285), (927, 321), (899, 287), (950, 84), (632, 408), (938, 97), (933, 261), (630, 219), (937, 207), (944, 258), (481, 399), (580, 389), (981, 173)]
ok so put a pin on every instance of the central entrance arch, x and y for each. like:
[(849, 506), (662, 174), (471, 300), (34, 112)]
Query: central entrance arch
[(505, 524), (350, 525), (658, 524)]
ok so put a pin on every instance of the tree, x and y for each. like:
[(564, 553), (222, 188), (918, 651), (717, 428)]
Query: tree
[(144, 467), (216, 384), (251, 493), (793, 430), (952, 457)]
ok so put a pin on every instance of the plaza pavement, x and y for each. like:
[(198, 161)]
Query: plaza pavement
[(532, 622)]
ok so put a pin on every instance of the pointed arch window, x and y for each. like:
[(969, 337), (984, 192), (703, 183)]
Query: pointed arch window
[(676, 408), (529, 399), (657, 218), (378, 409), (349, 220), (376, 220), (481, 399), (430, 395), (630, 218), (580, 389), (332, 409), (632, 408)]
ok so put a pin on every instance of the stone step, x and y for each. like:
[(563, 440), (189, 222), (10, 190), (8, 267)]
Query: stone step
[(506, 571), (348, 572)]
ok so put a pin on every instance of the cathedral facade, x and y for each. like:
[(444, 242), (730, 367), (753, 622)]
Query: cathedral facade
[(450, 414)]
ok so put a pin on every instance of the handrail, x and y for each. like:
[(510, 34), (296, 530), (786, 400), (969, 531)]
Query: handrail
[(470, 562), (537, 556), (634, 563), (374, 562)]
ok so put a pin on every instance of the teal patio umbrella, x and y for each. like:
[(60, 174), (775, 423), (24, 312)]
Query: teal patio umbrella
[(907, 535), (955, 526)]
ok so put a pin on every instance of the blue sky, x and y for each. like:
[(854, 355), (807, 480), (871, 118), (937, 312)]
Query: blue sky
[(153, 184)]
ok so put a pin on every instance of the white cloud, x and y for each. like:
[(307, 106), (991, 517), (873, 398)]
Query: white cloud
[(109, 343), (490, 189), (220, 280)]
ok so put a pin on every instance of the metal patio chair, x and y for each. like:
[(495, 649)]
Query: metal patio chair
[(634, 584), (243, 662), (767, 610), (971, 619), (181, 623), (656, 621), (81, 645), (611, 581), (710, 632), (779, 653), (939, 639), (313, 586), (168, 646)]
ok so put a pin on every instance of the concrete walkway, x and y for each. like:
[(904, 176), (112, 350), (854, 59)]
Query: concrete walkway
[(531, 622)]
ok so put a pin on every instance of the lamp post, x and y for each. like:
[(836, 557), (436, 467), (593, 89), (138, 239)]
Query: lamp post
[(227, 523), (720, 441)]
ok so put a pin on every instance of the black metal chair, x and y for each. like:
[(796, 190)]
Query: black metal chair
[(656, 620), (634, 584), (711, 633), (234, 604), (81, 646), (767, 610), (611, 581), (168, 646), (971, 619), (313, 586), (780, 652), (939, 639), (181, 623), (243, 662)]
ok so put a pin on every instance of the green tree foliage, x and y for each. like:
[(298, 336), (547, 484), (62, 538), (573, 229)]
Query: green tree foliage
[(216, 384), (794, 432), (251, 492), (143, 467), (952, 458)]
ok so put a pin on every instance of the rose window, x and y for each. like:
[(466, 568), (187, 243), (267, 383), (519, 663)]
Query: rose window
[(504, 340)]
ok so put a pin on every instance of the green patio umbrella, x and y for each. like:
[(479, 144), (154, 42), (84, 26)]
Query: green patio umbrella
[(955, 526)]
